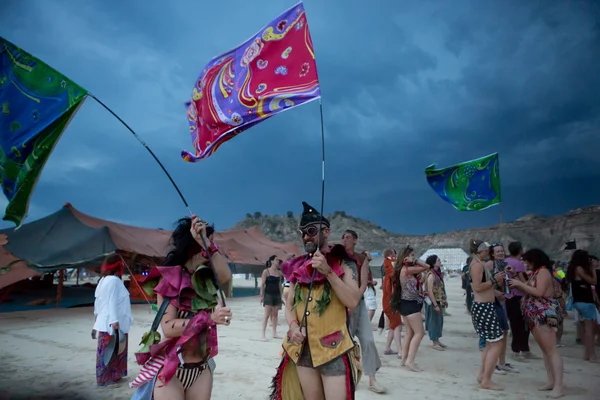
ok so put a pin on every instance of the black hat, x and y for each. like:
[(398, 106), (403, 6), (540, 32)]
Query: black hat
[(310, 216)]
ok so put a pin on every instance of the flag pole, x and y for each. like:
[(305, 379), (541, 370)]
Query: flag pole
[(312, 278), (210, 261)]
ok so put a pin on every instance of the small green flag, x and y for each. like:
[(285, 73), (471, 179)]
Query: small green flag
[(468, 186), (37, 103)]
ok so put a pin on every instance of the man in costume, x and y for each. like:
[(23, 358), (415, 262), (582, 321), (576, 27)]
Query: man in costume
[(320, 359), (360, 323)]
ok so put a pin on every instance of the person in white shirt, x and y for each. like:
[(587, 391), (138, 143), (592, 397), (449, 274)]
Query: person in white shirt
[(112, 309)]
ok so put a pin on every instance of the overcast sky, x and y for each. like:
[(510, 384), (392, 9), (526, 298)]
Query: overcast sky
[(404, 84)]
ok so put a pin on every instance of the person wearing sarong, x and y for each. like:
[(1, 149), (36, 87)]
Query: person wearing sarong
[(320, 358), (112, 310), (181, 366), (360, 322)]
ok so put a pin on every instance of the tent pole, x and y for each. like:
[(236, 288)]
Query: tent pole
[(59, 289)]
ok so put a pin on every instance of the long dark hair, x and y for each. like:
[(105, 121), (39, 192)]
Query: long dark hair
[(538, 259), (396, 286), (270, 261), (183, 244), (431, 260), (580, 258)]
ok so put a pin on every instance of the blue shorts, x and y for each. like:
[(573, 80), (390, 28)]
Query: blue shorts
[(502, 318), (586, 311)]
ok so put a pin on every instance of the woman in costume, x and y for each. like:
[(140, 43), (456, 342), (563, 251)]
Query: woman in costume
[(409, 289), (322, 364), (543, 315), (181, 365), (436, 301), (112, 309), (483, 312), (582, 277), (271, 294), (393, 316)]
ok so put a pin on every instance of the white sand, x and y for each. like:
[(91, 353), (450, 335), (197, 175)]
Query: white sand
[(51, 353)]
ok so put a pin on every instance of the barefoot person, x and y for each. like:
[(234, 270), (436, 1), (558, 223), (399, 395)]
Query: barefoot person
[(483, 312), (360, 320), (410, 290), (112, 309), (182, 365), (271, 294), (542, 314), (436, 294), (393, 316), (319, 360)]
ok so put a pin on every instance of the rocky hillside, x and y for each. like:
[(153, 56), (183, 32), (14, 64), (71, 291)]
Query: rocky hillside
[(547, 233)]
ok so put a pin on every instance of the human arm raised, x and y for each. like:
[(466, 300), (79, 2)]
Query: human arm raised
[(589, 278), (219, 262)]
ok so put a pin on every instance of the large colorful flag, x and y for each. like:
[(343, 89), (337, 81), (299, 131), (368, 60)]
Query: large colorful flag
[(271, 72), (468, 186), (37, 104)]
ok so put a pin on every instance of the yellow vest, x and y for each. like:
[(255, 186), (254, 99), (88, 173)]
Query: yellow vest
[(327, 334)]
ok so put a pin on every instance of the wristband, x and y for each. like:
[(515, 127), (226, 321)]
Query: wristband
[(212, 250), (292, 323)]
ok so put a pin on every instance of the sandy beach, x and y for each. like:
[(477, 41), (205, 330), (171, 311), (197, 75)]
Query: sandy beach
[(50, 354)]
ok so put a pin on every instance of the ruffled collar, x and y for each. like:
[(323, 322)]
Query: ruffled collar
[(299, 269), (189, 292)]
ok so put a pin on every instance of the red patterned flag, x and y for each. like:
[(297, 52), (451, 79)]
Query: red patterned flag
[(273, 71)]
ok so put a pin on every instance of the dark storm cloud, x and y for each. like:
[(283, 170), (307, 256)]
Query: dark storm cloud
[(404, 84)]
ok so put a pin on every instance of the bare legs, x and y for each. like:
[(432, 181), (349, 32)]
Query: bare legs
[(319, 387), (268, 313), (412, 340), (489, 357), (201, 389), (371, 314), (503, 342), (394, 336), (274, 321), (589, 353), (546, 339)]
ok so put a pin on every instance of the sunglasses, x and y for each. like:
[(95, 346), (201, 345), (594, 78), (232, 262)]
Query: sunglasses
[(310, 230)]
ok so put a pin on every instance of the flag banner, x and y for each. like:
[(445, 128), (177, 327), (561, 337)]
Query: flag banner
[(468, 186), (271, 72), (37, 103)]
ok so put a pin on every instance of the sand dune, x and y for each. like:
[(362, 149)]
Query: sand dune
[(50, 354)]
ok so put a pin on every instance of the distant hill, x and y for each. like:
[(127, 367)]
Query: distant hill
[(546, 233)]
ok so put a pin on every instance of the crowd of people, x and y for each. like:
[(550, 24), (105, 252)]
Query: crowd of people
[(527, 293), (329, 300)]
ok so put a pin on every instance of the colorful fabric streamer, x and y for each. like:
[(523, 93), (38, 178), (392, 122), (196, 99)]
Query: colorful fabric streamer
[(271, 72), (468, 186), (37, 105)]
